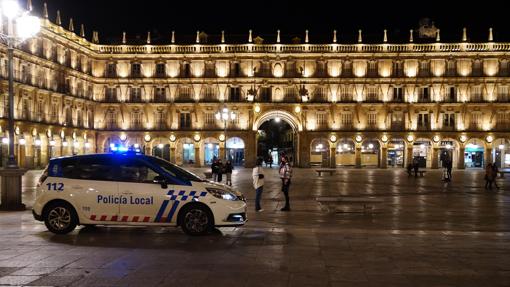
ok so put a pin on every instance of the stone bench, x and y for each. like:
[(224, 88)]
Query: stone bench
[(329, 203), (331, 171), (502, 172)]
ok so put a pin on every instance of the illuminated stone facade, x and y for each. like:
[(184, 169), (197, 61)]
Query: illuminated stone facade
[(348, 104)]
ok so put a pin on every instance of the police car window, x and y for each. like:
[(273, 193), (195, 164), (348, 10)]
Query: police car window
[(174, 170), (131, 170), (96, 168), (69, 166)]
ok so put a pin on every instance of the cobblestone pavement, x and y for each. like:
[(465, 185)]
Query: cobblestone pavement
[(424, 233)]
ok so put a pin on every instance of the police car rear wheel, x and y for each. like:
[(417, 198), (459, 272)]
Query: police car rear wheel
[(60, 218), (197, 220)]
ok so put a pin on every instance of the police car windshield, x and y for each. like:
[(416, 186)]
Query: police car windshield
[(174, 170)]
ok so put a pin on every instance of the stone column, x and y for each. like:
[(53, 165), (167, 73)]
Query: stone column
[(172, 154), (357, 155), (384, 157), (222, 150), (488, 155), (332, 156), (198, 162), (250, 149), (460, 158), (435, 158), (11, 189), (303, 149), (409, 154)]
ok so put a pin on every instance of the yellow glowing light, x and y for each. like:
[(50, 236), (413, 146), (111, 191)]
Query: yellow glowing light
[(147, 138), (297, 109), (333, 138), (197, 137)]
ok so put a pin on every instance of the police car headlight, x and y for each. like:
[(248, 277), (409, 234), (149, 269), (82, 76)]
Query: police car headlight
[(222, 194)]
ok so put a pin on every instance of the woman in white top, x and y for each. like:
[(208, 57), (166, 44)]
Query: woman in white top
[(258, 183)]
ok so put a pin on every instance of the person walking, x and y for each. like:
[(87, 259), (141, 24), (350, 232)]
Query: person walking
[(495, 171), (416, 166), (449, 166), (488, 176), (220, 171), (228, 172), (214, 169), (285, 175), (258, 184)]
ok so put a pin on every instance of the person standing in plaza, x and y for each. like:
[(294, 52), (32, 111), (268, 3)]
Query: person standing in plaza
[(258, 184), (488, 176), (220, 170), (228, 172), (285, 175), (449, 166), (416, 166), (214, 169)]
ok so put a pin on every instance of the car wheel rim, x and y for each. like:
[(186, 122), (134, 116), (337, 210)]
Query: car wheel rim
[(196, 220), (59, 218)]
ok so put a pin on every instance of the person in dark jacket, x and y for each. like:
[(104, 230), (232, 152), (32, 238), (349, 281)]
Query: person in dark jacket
[(228, 172), (214, 169), (220, 171)]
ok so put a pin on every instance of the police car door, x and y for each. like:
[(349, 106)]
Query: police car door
[(143, 198), (95, 191)]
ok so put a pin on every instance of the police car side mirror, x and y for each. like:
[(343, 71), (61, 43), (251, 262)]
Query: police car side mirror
[(161, 180)]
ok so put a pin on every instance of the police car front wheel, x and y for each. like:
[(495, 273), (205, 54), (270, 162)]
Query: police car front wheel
[(197, 220), (60, 218)]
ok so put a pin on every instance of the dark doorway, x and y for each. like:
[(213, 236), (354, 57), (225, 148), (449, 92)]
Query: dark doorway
[(274, 139)]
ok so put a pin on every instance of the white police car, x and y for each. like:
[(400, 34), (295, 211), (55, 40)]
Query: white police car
[(132, 189)]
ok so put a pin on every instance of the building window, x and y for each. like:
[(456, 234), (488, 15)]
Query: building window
[(136, 120), (449, 120), (209, 119), (160, 70), (265, 94), (111, 120), (346, 120), (398, 71), (40, 111), (372, 120), (503, 121), (209, 94), (79, 118), (424, 69), (503, 93), (322, 120), (424, 95), (90, 119), (398, 94), (290, 94), (423, 121), (397, 121), (320, 95), (54, 112), (476, 94), (160, 120), (135, 95), (476, 120), (372, 95), (185, 121), (451, 94), (69, 117), (372, 68), (235, 94), (136, 70), (111, 70), (184, 94), (111, 95), (345, 94), (25, 111), (160, 94)]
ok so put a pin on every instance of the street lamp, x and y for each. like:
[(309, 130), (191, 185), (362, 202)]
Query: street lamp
[(225, 115), (20, 27)]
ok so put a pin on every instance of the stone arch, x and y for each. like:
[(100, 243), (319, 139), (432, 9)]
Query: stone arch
[(371, 152), (320, 152), (235, 147), (185, 151), (474, 153), (345, 152), (294, 122), (501, 152), (396, 151), (210, 148), (450, 148)]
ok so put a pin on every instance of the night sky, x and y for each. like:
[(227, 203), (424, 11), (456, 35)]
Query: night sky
[(111, 17)]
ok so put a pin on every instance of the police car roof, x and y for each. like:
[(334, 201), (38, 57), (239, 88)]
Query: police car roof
[(99, 155)]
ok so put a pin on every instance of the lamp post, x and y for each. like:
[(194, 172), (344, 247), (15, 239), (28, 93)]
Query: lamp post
[(225, 115), (20, 27)]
